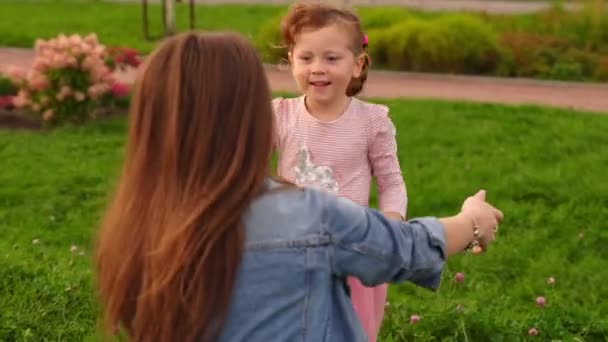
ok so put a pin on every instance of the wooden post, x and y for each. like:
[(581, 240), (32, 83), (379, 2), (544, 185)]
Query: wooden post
[(169, 9), (145, 19), (192, 15), (163, 13)]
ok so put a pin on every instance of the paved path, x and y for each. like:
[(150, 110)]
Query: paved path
[(583, 96)]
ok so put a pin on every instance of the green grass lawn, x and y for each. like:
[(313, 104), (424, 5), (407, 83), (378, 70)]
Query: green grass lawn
[(23, 21), (117, 24), (542, 167), (552, 44)]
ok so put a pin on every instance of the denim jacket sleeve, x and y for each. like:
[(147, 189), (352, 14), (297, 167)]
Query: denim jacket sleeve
[(378, 250)]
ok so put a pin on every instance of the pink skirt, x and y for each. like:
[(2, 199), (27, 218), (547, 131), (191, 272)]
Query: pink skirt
[(369, 305)]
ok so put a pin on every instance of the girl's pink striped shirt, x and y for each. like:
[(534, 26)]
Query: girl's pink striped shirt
[(341, 156)]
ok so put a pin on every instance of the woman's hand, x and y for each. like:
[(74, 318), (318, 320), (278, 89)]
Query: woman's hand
[(482, 215), (393, 215)]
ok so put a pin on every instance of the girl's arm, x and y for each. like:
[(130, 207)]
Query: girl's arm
[(278, 122), (392, 193)]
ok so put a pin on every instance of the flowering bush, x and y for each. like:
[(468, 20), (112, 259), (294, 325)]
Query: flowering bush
[(6, 102), (7, 92), (69, 79), (122, 58)]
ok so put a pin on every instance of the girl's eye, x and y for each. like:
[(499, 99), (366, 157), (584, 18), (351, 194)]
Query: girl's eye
[(305, 58), (333, 58)]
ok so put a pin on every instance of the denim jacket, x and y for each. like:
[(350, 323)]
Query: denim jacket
[(301, 244)]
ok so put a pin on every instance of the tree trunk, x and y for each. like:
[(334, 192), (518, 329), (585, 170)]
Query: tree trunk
[(192, 15), (145, 19), (169, 17)]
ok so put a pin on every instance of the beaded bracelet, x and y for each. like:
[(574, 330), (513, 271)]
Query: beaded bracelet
[(474, 246)]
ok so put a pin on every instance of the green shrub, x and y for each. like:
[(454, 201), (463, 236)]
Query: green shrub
[(574, 65), (533, 55), (567, 71), (378, 46), (403, 44), (587, 26), (522, 53), (7, 87), (601, 69), (269, 42), (382, 17), (458, 44)]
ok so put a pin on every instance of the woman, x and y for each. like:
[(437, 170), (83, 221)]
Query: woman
[(198, 244)]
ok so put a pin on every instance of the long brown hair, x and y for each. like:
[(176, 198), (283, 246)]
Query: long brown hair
[(316, 15), (198, 152)]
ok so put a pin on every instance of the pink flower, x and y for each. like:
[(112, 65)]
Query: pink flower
[(46, 57), (532, 332), (6, 101), (47, 115), (40, 45), (51, 43), (120, 89), (58, 61), (15, 74), (551, 281), (85, 48), (39, 82), (89, 63), (75, 39), (125, 57), (72, 62), (79, 96), (91, 39), (41, 64), (459, 277), (540, 301), (108, 79), (62, 42), (414, 319), (21, 100), (76, 50), (99, 51), (97, 90), (65, 91), (99, 72)]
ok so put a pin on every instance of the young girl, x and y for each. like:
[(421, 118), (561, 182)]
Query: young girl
[(330, 139)]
